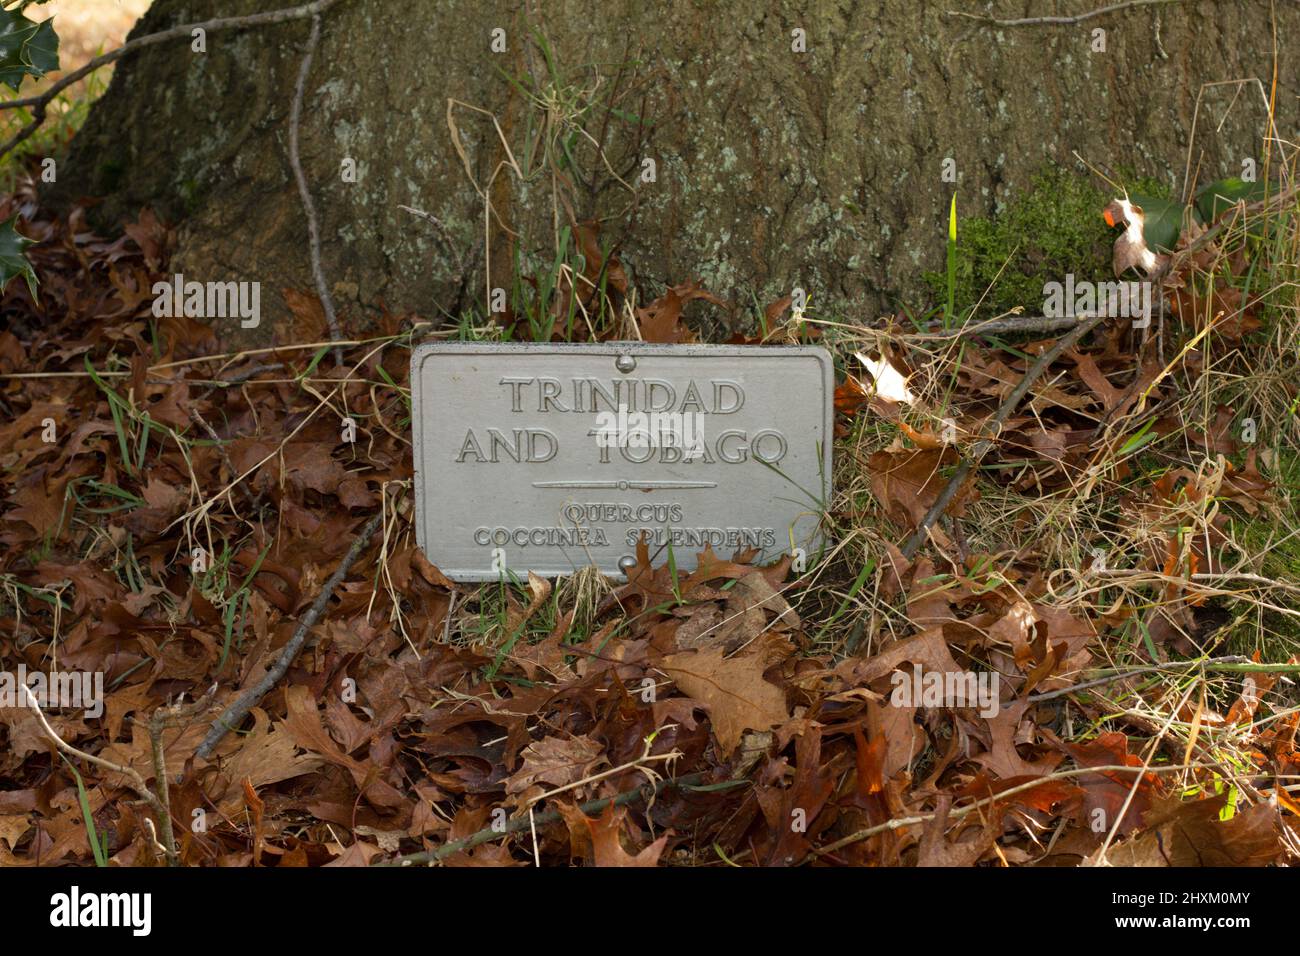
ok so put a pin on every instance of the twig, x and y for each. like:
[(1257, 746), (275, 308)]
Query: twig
[(898, 823), (488, 834), (160, 719), (156, 723), (240, 377), (158, 805), (40, 102), (1234, 663), (202, 422), (313, 226), (235, 712), (1021, 323), (1032, 21), (913, 544)]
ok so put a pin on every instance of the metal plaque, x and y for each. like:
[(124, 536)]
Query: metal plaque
[(548, 458)]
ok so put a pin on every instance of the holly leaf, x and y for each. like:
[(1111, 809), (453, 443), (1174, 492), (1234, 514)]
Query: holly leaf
[(1163, 222), (42, 51), (12, 260), (1218, 197), (15, 31), (27, 48)]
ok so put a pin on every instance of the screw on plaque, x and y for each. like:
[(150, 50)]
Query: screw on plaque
[(625, 363), (627, 563)]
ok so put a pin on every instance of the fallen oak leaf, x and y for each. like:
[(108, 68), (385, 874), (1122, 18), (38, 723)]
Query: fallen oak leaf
[(304, 725), (607, 848), (556, 761), (908, 483), (267, 754), (733, 691), (660, 321), (1002, 757), (1106, 792), (1187, 833)]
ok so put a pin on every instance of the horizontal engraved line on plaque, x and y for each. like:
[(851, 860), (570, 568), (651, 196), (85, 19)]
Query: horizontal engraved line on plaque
[(552, 457)]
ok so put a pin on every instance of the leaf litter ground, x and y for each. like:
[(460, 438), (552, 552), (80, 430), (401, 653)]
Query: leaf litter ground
[(188, 505)]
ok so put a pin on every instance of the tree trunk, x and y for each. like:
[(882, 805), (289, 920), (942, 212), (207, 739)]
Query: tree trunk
[(772, 168)]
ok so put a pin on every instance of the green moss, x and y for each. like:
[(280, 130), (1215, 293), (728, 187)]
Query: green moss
[(1053, 229)]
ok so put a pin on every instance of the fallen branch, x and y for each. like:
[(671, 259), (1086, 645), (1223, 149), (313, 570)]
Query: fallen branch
[(234, 713), (488, 834), (162, 718), (159, 805), (899, 823), (313, 226), (1020, 323), (40, 102), (913, 543), (1066, 20)]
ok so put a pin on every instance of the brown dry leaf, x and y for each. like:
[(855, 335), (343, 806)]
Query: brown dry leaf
[(1191, 833), (429, 571), (710, 567), (700, 626), (1003, 758), (1087, 370), (13, 827), (550, 653), (266, 755), (308, 324), (936, 849), (556, 761), (732, 691), (607, 848), (310, 465), (587, 234), (660, 321), (908, 483), (1253, 689), (358, 854), (776, 310), (1105, 792), (517, 617), (754, 592), (928, 649), (179, 745), (257, 807), (303, 724), (487, 855)]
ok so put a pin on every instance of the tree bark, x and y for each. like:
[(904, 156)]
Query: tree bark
[(773, 168)]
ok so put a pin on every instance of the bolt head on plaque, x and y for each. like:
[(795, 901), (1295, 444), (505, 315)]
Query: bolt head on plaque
[(552, 457)]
